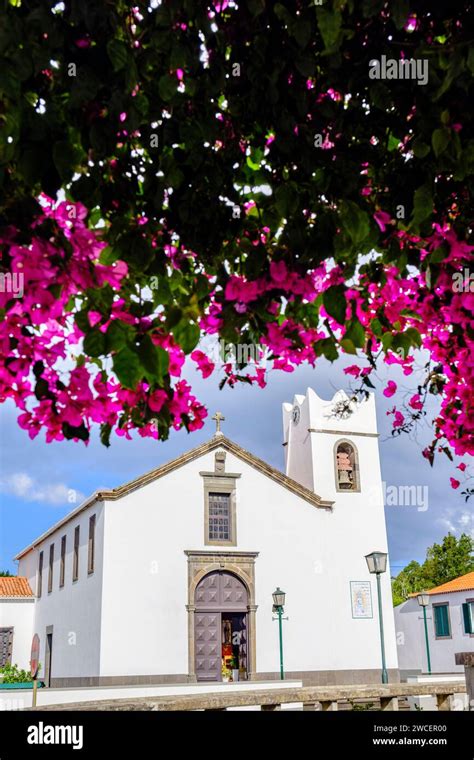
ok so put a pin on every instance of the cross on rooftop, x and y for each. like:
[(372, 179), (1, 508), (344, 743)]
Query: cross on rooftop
[(218, 417)]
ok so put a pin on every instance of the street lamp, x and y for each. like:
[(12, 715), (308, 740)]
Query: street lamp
[(377, 564), (278, 605), (423, 601)]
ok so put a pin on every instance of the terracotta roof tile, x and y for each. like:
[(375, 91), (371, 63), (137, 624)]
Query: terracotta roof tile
[(463, 583), (14, 586)]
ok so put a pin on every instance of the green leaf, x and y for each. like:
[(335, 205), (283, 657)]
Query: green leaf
[(187, 335), (167, 87), (414, 336), (94, 343), (329, 23), (302, 33), (109, 255), (348, 346), (355, 333), (355, 221), (105, 430), (71, 432), (66, 158), (393, 143), (119, 334), (400, 10), (154, 359), (286, 199), (82, 320), (334, 300), (387, 340), (118, 54), (126, 366), (440, 140), (41, 389), (420, 148), (422, 204)]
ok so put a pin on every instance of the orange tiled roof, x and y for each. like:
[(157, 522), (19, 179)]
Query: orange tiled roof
[(14, 586), (463, 583)]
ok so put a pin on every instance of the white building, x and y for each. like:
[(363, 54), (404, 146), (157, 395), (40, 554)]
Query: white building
[(17, 613), (450, 626), (170, 577)]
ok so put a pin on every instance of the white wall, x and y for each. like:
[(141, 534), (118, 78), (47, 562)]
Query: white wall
[(357, 525), (74, 609), (309, 552), (411, 635), (19, 614)]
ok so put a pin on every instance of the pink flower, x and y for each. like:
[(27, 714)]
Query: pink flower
[(399, 419), (278, 272), (391, 389), (462, 467), (157, 399), (454, 483), (353, 370), (382, 219), (94, 317), (204, 364), (411, 23), (415, 402)]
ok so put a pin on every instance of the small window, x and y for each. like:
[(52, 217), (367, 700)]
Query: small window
[(62, 567), (75, 563), (40, 575), (6, 646), (347, 467), (91, 546), (50, 568), (468, 616), (219, 517), (441, 621)]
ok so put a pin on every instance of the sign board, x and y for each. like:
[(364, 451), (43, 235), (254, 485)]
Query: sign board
[(35, 653), (361, 599)]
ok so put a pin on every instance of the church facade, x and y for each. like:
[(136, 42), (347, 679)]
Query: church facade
[(169, 578)]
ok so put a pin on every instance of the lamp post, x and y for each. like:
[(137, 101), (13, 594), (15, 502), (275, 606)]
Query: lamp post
[(377, 564), (278, 605), (423, 601)]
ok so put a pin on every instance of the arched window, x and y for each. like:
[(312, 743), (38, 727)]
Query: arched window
[(347, 467)]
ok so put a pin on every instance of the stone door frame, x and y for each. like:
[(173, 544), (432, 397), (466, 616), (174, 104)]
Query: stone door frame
[(242, 565)]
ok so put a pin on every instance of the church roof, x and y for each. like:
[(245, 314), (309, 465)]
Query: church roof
[(14, 586), (217, 441)]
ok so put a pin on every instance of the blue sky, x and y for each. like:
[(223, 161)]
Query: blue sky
[(35, 477)]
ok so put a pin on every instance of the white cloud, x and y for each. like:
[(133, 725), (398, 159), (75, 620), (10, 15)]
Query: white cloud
[(23, 486), (458, 522)]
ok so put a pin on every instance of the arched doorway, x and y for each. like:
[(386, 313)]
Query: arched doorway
[(221, 627)]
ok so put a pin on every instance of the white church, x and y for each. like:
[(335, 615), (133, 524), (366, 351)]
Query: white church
[(169, 578)]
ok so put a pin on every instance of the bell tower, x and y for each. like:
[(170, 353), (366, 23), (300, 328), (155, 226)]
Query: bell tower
[(331, 446)]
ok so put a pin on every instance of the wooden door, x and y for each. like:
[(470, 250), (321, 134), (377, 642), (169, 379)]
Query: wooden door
[(217, 592), (207, 642)]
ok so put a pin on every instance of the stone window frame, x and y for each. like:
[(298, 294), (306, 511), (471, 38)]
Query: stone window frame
[(240, 564), (356, 466), (224, 483), (450, 636)]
